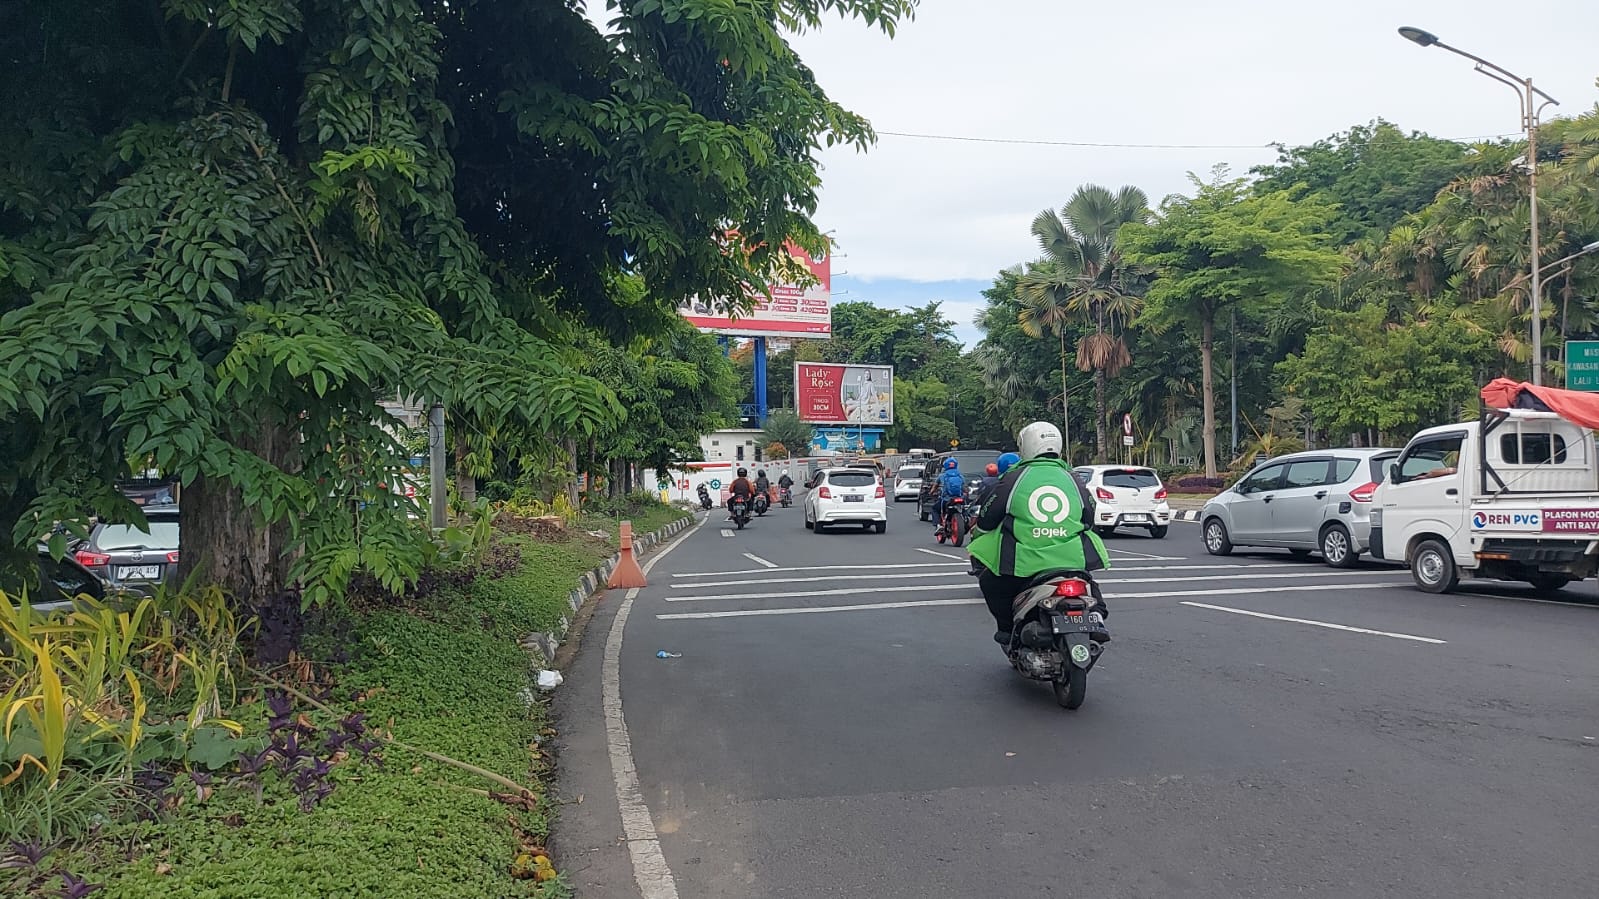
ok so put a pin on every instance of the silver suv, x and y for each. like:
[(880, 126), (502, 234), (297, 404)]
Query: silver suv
[(1316, 501)]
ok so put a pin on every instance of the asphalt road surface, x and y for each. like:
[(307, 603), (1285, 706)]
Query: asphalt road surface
[(839, 724)]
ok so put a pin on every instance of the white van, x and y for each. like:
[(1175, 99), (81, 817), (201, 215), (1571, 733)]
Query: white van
[(1514, 496)]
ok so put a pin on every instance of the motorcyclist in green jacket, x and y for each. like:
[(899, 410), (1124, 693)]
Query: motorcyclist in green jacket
[(1039, 519)]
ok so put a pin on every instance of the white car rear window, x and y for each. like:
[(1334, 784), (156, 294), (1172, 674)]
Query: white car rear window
[(1131, 477), (852, 478), (910, 473)]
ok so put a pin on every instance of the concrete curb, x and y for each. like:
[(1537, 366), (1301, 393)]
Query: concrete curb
[(1185, 515), (545, 645)]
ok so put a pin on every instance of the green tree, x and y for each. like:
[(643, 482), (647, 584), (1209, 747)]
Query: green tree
[(784, 426), (1083, 275), (279, 211), (1220, 248), (1361, 373)]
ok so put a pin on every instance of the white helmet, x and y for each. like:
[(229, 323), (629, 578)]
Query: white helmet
[(1039, 439)]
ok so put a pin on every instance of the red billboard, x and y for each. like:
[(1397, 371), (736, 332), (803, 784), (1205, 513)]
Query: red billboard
[(792, 311), (831, 394)]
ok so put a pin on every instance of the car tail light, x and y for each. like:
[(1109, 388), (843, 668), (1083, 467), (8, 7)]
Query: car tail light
[(1363, 493), (824, 493), (1160, 494), (1102, 493), (173, 557), (880, 494), (90, 559), (1071, 587)]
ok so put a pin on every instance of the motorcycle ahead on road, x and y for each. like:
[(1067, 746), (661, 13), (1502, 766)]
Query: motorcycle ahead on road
[(954, 522), (739, 508), (762, 502), (785, 497), (1056, 635), (705, 498)]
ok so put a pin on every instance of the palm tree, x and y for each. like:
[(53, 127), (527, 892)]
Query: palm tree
[(1083, 278)]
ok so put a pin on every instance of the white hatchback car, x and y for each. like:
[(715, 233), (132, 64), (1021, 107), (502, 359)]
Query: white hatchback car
[(907, 482), (846, 496), (1126, 496)]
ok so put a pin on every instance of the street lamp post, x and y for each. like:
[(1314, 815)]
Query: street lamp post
[(1530, 109)]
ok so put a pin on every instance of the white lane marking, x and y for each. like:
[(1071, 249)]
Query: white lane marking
[(824, 568), (803, 610), (1575, 602), (760, 561), (1290, 573), (934, 552), (809, 610), (726, 532), (1314, 623), (650, 870), (752, 579), (1107, 581)]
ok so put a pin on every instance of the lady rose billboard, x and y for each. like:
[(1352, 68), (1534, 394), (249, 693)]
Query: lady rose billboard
[(826, 393)]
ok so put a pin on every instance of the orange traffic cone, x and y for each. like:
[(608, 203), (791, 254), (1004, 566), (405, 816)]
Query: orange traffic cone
[(627, 573)]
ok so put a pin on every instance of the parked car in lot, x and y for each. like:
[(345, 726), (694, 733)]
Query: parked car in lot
[(1126, 497), (57, 584), (846, 496), (132, 560), (907, 482), (1315, 501)]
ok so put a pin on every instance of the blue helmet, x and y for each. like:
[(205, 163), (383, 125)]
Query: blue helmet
[(1007, 460), (951, 464)]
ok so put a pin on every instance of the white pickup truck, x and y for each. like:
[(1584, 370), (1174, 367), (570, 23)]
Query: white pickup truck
[(1514, 496)]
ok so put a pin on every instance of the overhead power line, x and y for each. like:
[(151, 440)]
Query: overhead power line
[(1115, 145)]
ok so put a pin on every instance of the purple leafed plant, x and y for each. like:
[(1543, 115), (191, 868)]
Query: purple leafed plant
[(22, 854), (75, 887)]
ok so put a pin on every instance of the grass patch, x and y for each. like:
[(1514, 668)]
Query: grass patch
[(443, 673)]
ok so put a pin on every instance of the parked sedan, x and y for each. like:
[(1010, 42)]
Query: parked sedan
[(133, 560), (1317, 501), (56, 584), (846, 496), (1126, 496)]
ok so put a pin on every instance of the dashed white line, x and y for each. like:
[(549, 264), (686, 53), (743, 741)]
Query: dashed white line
[(934, 552), (1312, 622), (760, 561), (754, 578), (727, 532), (810, 610)]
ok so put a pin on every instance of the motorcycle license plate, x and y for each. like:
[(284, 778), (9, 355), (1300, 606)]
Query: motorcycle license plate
[(138, 572), (854, 499)]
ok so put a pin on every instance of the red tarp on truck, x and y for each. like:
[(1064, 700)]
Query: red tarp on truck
[(1575, 406)]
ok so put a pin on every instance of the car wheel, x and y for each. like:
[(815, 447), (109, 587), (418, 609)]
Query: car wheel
[(881, 527), (1158, 531), (1336, 548), (1217, 543), (816, 528), (1432, 567)]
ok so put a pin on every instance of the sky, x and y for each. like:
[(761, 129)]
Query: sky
[(918, 220)]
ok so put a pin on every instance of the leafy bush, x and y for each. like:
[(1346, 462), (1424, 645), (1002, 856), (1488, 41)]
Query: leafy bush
[(1199, 484)]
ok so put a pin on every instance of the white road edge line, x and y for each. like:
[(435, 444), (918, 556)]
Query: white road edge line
[(934, 552), (868, 565), (760, 561), (751, 579), (650, 870), (1314, 623), (808, 610)]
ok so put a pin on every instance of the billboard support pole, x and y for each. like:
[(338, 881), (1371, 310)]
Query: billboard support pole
[(760, 382)]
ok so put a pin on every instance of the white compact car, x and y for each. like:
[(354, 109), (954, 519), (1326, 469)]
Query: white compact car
[(1126, 496), (846, 496), (907, 482)]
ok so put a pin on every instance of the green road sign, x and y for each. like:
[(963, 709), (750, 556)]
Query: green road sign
[(1582, 365)]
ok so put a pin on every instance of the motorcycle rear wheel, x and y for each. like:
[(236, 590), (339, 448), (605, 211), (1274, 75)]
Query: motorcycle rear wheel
[(957, 531), (1072, 689)]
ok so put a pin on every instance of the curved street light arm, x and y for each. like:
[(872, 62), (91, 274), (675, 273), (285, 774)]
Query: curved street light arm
[(1515, 80)]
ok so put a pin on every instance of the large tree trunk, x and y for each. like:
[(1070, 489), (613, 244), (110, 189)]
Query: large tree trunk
[(1100, 414), (221, 541), (1207, 339), (465, 481)]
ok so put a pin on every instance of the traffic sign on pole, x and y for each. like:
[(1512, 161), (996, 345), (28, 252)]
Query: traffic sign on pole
[(1582, 365), (1127, 426)]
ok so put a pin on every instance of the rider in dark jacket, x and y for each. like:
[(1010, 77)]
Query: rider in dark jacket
[(740, 487)]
